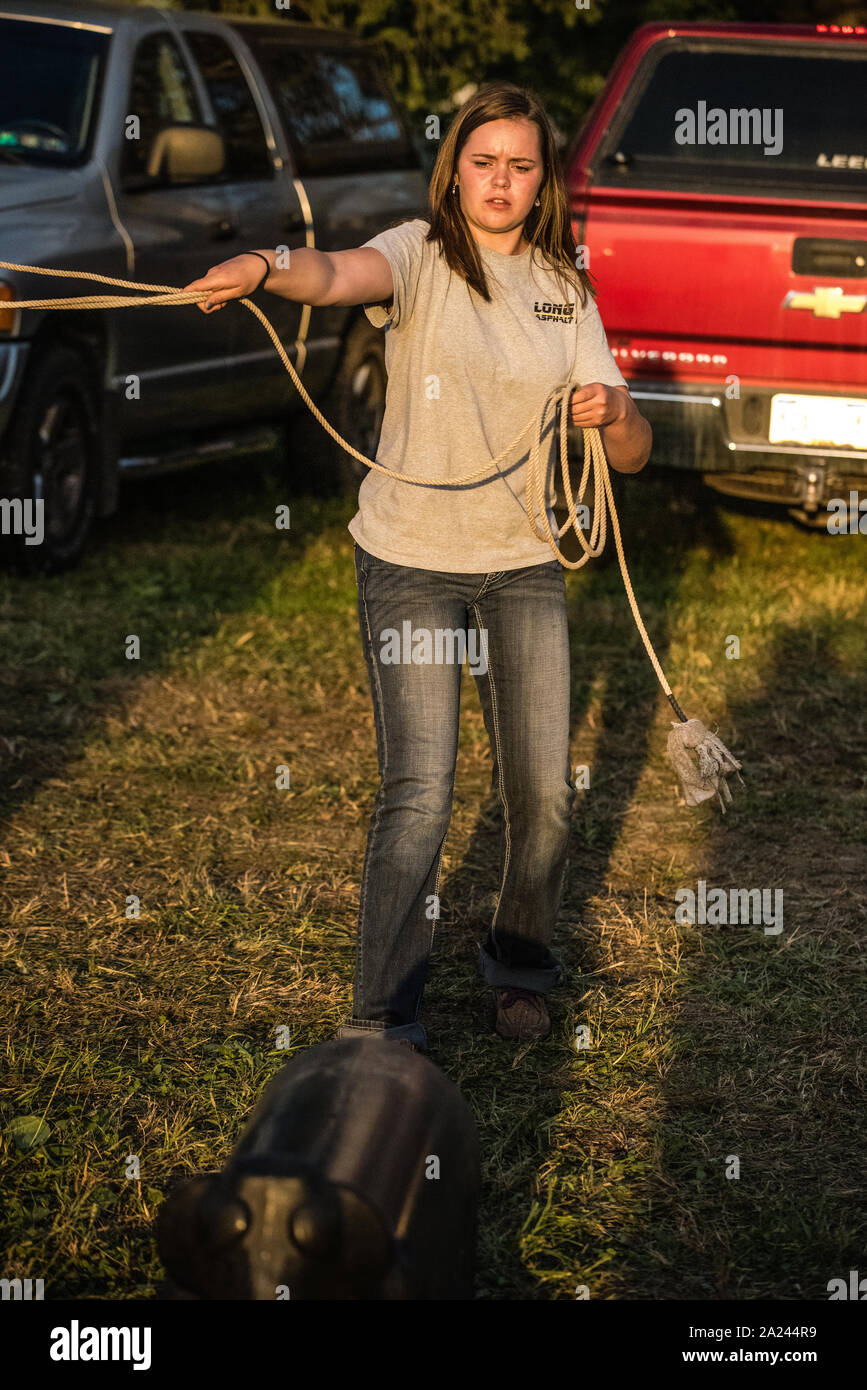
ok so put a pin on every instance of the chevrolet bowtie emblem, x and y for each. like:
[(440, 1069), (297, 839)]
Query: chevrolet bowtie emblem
[(827, 302)]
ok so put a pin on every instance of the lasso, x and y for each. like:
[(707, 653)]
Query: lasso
[(714, 761)]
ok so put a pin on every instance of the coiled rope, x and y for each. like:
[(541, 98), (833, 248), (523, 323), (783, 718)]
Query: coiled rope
[(152, 296)]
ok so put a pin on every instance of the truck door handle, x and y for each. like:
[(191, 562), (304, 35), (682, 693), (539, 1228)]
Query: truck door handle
[(829, 256), (223, 230)]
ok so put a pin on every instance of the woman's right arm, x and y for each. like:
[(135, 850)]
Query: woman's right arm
[(359, 276)]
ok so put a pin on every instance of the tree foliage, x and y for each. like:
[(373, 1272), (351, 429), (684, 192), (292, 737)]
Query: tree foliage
[(435, 48)]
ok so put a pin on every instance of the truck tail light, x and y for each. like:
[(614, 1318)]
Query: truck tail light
[(7, 316)]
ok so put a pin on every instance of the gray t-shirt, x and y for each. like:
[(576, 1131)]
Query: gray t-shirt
[(464, 376)]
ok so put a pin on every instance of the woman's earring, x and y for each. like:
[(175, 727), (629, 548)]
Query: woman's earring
[(454, 188), (538, 203)]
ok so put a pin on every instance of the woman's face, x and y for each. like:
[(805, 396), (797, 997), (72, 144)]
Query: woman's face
[(499, 174)]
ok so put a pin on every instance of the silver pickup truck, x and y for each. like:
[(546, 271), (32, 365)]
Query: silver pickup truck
[(148, 145)]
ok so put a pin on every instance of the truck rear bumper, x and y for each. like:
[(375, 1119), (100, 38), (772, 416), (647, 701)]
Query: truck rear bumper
[(699, 428)]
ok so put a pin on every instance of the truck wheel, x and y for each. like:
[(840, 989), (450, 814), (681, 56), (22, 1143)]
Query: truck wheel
[(359, 396), (51, 452)]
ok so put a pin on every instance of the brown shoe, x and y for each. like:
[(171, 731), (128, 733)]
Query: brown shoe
[(521, 1014)]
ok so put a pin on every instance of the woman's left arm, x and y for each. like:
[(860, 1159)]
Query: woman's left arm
[(626, 435)]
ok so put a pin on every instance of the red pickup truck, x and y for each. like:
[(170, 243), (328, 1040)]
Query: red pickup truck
[(719, 186)]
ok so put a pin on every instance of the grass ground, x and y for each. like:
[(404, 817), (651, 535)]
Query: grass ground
[(604, 1166)]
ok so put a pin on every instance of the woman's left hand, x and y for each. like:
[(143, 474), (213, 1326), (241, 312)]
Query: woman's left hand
[(597, 405)]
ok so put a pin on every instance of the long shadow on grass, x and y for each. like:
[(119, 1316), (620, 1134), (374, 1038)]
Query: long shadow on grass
[(182, 557), (513, 1103), (182, 554), (768, 1066)]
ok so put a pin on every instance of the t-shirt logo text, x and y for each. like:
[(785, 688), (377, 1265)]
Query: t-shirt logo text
[(554, 313)]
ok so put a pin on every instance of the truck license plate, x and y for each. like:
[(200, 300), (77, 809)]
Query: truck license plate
[(838, 421)]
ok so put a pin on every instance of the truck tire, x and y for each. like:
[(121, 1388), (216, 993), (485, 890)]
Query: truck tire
[(359, 399), (51, 451)]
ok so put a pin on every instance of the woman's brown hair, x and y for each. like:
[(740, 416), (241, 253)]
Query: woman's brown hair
[(548, 227)]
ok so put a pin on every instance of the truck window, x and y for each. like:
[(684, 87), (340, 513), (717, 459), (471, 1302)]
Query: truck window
[(161, 93), (49, 93), (336, 107), (238, 120), (822, 128)]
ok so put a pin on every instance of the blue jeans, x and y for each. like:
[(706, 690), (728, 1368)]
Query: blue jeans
[(515, 636)]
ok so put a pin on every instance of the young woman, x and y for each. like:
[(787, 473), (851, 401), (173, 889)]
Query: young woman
[(485, 313)]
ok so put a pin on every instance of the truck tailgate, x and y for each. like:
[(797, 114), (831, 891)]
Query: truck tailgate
[(713, 278)]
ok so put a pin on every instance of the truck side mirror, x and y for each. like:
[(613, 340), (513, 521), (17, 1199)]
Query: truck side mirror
[(186, 154)]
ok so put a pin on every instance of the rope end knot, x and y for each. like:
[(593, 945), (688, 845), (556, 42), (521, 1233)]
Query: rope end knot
[(702, 762)]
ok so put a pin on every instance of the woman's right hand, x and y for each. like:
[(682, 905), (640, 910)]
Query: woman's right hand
[(232, 279)]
